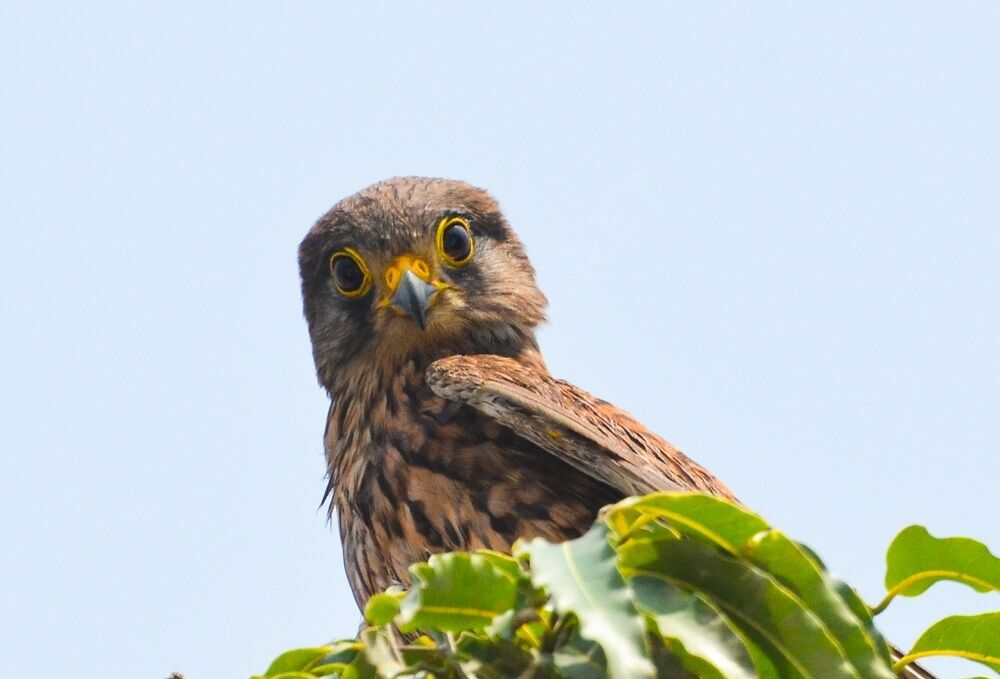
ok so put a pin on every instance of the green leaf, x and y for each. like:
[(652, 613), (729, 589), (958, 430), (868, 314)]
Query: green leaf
[(696, 633), (435, 660), (762, 654), (339, 653), (488, 659), (669, 665), (527, 595), (764, 609), (456, 592), (380, 652), (381, 609), (527, 625), (532, 634), (504, 562), (359, 668), (796, 569), (296, 660), (760, 660), (503, 627), (580, 658), (916, 560), (704, 517), (581, 577), (974, 637), (573, 657), (862, 613)]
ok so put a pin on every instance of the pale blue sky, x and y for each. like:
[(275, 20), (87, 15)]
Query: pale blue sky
[(787, 219)]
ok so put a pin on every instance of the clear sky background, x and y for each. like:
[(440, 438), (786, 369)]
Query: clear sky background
[(786, 221)]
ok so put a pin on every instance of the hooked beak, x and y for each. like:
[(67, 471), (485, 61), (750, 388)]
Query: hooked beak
[(413, 297)]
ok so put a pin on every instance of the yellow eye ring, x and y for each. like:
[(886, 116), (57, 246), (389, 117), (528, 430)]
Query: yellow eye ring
[(455, 245), (349, 273)]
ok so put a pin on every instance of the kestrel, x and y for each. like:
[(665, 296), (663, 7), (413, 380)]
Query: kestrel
[(445, 430)]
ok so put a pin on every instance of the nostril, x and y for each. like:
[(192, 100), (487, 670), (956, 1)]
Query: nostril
[(421, 268), (391, 278)]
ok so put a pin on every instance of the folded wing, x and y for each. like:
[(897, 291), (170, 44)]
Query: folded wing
[(586, 432)]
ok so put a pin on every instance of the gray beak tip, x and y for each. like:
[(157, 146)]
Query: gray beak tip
[(413, 296)]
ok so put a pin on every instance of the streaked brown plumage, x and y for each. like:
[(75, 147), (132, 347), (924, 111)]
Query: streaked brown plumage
[(445, 430), (453, 435)]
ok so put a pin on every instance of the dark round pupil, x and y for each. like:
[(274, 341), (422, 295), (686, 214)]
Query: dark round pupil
[(347, 274), (457, 243)]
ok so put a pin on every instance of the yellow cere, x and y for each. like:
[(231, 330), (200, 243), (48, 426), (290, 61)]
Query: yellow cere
[(394, 272)]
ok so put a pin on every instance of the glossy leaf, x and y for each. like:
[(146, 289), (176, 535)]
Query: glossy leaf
[(489, 659), (526, 625), (581, 577), (916, 560), (504, 563), (862, 613), (974, 637), (703, 517), (380, 652), (669, 665), (571, 657), (359, 668), (697, 634), (338, 656), (674, 584), (785, 560), (296, 660), (580, 659), (382, 608), (748, 596), (456, 592)]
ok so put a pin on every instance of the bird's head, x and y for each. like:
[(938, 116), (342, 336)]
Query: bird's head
[(415, 267)]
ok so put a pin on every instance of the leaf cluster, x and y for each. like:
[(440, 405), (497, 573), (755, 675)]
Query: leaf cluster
[(674, 584)]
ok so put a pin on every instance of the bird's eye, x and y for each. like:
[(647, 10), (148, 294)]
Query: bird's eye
[(454, 241), (349, 272)]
